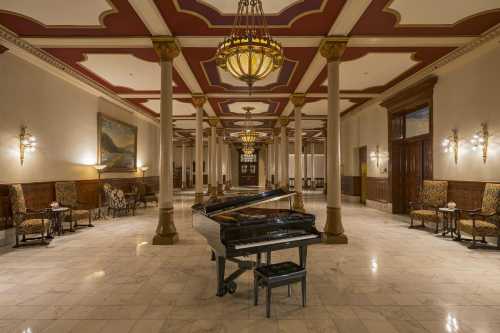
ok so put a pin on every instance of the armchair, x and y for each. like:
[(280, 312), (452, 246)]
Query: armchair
[(27, 222), (117, 201), (432, 196), (484, 221), (66, 196)]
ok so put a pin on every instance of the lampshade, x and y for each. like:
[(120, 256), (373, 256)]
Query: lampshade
[(144, 168), (100, 167)]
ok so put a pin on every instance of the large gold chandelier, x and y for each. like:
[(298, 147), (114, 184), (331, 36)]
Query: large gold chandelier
[(249, 53)]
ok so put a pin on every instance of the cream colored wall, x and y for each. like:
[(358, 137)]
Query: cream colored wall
[(463, 99), (64, 120), (366, 128)]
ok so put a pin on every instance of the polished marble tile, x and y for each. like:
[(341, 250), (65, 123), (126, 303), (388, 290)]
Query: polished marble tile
[(387, 279)]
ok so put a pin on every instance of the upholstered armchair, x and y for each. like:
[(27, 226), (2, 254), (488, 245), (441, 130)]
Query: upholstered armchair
[(117, 201), (433, 195), (485, 221), (145, 196), (27, 222), (66, 196)]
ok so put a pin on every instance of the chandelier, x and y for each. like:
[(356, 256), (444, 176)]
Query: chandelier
[(249, 53), (248, 149)]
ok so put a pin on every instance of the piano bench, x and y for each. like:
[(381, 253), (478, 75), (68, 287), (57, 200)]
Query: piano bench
[(277, 275)]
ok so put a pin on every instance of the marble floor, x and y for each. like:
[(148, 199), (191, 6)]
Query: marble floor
[(111, 279)]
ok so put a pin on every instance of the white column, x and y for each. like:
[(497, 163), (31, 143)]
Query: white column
[(213, 157), (269, 165), (220, 165), (183, 166), (198, 102), (306, 158), (276, 133), (227, 149), (166, 233), (332, 49), (325, 166), (313, 173), (284, 153), (298, 100)]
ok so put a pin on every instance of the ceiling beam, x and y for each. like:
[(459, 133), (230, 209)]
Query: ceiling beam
[(256, 96), (151, 17)]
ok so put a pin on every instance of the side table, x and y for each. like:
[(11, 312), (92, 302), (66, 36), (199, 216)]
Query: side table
[(57, 215), (449, 225)]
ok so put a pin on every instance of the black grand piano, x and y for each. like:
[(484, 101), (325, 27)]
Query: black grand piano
[(235, 228)]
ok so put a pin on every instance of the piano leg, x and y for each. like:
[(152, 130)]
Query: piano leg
[(303, 256), (221, 270)]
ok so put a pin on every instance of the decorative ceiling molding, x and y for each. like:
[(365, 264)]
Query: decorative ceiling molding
[(348, 17), (151, 17), (42, 59)]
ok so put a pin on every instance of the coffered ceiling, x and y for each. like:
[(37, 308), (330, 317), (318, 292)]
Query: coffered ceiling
[(107, 43)]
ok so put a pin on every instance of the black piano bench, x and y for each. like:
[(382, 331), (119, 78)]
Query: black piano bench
[(276, 275)]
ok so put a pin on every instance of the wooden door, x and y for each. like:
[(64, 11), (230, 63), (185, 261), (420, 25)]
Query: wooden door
[(413, 172), (249, 169), (363, 172)]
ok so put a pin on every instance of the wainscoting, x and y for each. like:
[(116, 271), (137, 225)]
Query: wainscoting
[(40, 195), (378, 189), (351, 185)]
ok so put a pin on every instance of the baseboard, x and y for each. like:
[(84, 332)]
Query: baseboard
[(351, 198), (382, 206)]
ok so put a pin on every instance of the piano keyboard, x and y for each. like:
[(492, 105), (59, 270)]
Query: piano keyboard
[(274, 241)]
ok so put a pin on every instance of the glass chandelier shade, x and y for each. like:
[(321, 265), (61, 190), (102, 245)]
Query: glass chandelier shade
[(249, 53)]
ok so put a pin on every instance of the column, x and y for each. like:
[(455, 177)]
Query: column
[(298, 101), (325, 166), (228, 167), (313, 173), (212, 159), (269, 165), (276, 133), (166, 234), (305, 164), (284, 152), (332, 49), (183, 166), (198, 102), (220, 164)]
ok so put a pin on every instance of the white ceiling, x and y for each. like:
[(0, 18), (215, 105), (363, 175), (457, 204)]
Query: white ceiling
[(124, 70), (320, 107), (439, 12), (188, 124), (230, 6), (237, 107), (251, 123), (59, 12), (179, 108), (373, 69), (308, 124)]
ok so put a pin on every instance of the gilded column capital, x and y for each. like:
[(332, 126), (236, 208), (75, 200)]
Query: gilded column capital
[(166, 47), (199, 100), (213, 121), (332, 48), (298, 100), (284, 121)]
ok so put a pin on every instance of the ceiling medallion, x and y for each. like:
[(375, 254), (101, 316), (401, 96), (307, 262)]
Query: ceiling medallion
[(249, 53)]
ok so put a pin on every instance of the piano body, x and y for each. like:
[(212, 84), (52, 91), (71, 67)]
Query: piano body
[(235, 228)]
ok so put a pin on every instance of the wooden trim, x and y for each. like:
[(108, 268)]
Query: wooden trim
[(378, 189)]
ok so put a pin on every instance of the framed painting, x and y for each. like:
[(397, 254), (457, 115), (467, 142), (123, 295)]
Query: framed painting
[(117, 144)]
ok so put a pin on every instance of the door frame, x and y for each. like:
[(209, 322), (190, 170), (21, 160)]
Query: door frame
[(407, 101)]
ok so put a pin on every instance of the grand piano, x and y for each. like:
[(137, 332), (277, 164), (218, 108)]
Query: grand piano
[(235, 228)]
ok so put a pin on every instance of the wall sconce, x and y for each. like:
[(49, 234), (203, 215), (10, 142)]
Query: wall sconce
[(480, 141), (27, 142), (450, 144), (144, 168), (375, 155)]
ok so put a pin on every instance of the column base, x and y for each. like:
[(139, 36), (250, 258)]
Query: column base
[(220, 189), (213, 192), (334, 230), (198, 198), (227, 187), (298, 203), (166, 234)]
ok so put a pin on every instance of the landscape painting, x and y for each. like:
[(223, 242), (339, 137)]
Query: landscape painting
[(418, 123), (117, 145)]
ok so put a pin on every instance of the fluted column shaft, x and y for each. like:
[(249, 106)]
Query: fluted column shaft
[(313, 173), (183, 166), (198, 102), (220, 165), (298, 100), (284, 153), (276, 133), (166, 233)]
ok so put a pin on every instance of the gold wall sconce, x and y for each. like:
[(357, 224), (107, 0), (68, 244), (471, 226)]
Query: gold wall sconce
[(375, 155), (27, 143), (480, 141), (450, 145)]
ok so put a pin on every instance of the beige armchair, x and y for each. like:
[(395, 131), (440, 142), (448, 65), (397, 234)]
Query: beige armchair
[(485, 221), (433, 195), (67, 196), (27, 222)]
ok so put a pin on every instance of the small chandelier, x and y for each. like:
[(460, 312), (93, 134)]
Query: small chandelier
[(248, 136), (248, 149), (249, 53)]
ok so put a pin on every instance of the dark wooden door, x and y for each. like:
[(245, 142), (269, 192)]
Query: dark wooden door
[(413, 172), (363, 172), (249, 169)]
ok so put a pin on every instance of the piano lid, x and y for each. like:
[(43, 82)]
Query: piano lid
[(231, 204)]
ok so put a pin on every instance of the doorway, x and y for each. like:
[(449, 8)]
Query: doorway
[(363, 172), (249, 169)]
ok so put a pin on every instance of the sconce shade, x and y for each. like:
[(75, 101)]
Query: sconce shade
[(100, 167), (144, 168)]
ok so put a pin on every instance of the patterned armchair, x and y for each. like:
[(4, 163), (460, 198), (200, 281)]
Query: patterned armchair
[(117, 201), (484, 221), (433, 195), (66, 196), (143, 195), (27, 222)]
